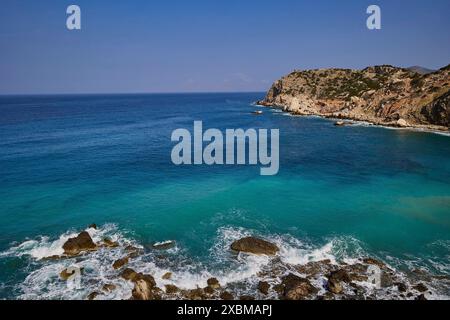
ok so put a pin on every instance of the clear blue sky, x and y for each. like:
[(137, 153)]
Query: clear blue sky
[(207, 45)]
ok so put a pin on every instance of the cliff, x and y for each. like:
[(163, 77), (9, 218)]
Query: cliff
[(383, 95)]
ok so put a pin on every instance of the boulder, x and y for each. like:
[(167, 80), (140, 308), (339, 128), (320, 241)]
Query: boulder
[(213, 283), (92, 226), (335, 280), (129, 274), (171, 289), (226, 296), (296, 288), (374, 262), (255, 246), (167, 276), (92, 296), (83, 242), (263, 287), (120, 263), (144, 289), (108, 243), (402, 123), (109, 287), (65, 274), (246, 298), (420, 287)]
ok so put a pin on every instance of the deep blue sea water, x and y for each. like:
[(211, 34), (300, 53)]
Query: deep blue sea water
[(69, 161)]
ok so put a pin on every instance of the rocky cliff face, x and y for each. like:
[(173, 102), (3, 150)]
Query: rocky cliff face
[(384, 95)]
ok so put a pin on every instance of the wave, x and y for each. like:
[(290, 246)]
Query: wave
[(241, 272)]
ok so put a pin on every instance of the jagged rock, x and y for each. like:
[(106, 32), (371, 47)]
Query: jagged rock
[(226, 296), (263, 287), (255, 246), (109, 243), (109, 287), (92, 295), (209, 290), (420, 287), (82, 243), (167, 276), (374, 262), (92, 226), (296, 288), (401, 287), (171, 289), (195, 294), (386, 280), (246, 298), (120, 263), (129, 274), (213, 283), (65, 274), (144, 289), (335, 280), (421, 298), (402, 123)]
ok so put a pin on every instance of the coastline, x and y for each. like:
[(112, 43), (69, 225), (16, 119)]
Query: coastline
[(114, 267), (441, 130)]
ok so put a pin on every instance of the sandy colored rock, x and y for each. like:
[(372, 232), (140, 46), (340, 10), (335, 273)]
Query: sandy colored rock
[(120, 263)]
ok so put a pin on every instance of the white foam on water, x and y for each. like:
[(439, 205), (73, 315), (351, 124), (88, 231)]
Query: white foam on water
[(43, 281)]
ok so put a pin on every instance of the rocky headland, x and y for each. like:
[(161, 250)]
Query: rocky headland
[(382, 95)]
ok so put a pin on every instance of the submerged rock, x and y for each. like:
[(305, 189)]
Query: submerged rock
[(164, 245), (120, 263), (255, 246), (109, 243), (421, 287), (82, 243)]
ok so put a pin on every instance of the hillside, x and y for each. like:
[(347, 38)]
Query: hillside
[(384, 95)]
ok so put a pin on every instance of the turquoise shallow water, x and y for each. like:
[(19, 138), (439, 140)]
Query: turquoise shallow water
[(68, 161)]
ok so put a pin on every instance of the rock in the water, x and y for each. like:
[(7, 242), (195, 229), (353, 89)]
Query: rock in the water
[(421, 298), (263, 287), (255, 246), (335, 280), (374, 262), (129, 274), (109, 287), (120, 263), (195, 294), (296, 288), (226, 296), (213, 283), (65, 274), (164, 245), (246, 298), (401, 287), (144, 289), (109, 243), (421, 287), (92, 295), (171, 289), (83, 242), (339, 123), (167, 276), (92, 226)]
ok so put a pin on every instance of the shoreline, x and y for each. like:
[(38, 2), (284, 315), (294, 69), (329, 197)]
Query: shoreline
[(117, 268), (440, 130)]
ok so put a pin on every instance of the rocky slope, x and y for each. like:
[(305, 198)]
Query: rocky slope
[(383, 95)]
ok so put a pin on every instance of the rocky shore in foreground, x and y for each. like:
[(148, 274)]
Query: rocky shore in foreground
[(381, 95), (365, 278)]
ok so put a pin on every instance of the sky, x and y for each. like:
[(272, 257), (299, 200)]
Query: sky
[(140, 46)]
